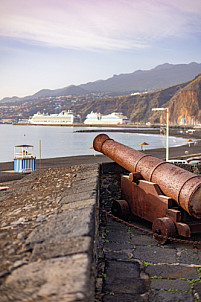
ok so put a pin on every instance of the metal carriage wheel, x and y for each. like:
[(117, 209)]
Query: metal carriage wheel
[(163, 226), (121, 209)]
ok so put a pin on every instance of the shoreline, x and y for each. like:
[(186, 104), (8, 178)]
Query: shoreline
[(7, 168), (182, 151), (179, 152)]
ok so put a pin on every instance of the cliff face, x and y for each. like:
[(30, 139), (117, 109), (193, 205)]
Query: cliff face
[(187, 103), (183, 101)]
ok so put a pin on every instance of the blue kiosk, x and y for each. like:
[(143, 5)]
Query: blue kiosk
[(24, 159)]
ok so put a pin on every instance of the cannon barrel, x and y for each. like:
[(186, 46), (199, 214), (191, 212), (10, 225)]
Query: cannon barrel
[(181, 185)]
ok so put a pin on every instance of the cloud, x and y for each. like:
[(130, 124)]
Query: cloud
[(98, 25)]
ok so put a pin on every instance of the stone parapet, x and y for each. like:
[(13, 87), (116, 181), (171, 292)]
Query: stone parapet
[(60, 249)]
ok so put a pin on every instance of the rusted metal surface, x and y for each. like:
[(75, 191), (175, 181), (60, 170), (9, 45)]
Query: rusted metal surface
[(183, 229), (165, 227), (135, 177), (174, 214), (195, 226), (182, 186), (145, 199), (121, 209)]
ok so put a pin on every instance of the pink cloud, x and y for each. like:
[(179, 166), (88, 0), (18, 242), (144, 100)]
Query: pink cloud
[(120, 24)]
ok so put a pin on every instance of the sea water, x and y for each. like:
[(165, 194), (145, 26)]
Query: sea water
[(59, 141)]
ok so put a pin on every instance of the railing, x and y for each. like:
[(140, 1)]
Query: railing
[(24, 154)]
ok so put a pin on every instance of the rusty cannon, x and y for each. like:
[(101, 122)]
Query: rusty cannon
[(155, 190)]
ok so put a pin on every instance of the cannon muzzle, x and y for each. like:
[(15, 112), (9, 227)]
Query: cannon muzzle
[(181, 185)]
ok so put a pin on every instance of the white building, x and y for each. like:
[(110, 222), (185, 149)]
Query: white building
[(63, 118), (115, 118)]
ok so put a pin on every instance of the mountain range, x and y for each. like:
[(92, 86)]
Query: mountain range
[(162, 76)]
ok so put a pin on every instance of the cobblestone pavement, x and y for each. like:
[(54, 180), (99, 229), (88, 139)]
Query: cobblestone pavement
[(134, 267)]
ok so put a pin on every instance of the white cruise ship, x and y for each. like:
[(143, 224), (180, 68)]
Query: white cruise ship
[(115, 118), (63, 118)]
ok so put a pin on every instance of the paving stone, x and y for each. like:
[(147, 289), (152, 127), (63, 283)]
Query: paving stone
[(155, 254), (119, 255), (172, 271), (125, 269), (120, 236), (179, 285), (165, 296), (116, 226), (122, 298), (71, 223), (197, 289), (46, 281), (62, 248), (133, 286), (116, 246), (146, 240), (191, 256), (123, 277)]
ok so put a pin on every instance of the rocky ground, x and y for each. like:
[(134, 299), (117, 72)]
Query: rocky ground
[(28, 202)]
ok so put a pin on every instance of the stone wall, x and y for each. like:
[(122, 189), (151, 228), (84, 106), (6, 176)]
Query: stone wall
[(48, 232)]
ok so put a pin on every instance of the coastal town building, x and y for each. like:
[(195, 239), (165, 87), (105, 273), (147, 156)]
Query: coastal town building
[(115, 118)]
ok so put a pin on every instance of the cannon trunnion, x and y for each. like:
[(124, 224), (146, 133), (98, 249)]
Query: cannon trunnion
[(157, 191)]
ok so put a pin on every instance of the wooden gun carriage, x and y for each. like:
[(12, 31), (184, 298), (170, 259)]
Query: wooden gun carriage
[(155, 190)]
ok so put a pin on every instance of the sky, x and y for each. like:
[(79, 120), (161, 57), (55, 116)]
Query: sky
[(51, 44)]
